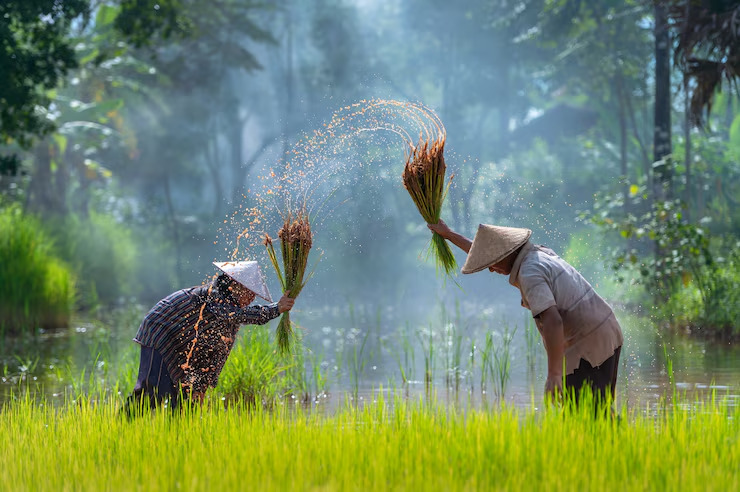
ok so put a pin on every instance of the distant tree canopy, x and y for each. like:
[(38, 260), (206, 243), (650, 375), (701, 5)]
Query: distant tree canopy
[(35, 53), (143, 21)]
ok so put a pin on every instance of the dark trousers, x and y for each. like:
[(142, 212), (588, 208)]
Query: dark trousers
[(600, 379), (153, 384)]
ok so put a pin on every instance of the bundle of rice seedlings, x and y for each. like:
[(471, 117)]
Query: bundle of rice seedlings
[(424, 178), (295, 243)]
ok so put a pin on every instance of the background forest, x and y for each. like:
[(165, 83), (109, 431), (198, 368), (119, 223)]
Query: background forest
[(131, 129)]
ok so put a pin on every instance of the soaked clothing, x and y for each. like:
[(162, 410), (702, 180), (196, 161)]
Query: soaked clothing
[(591, 330), (194, 331)]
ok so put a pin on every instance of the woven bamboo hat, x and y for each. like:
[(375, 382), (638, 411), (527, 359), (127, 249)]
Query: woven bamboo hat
[(492, 244), (247, 273)]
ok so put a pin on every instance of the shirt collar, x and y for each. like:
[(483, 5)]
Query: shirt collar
[(514, 275)]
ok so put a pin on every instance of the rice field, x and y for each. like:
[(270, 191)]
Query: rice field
[(387, 444)]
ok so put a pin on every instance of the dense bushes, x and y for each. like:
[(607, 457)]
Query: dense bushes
[(49, 268), (103, 254), (709, 302), (36, 287), (691, 275)]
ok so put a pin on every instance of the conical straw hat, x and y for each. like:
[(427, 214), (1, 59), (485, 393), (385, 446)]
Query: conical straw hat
[(248, 274), (492, 244)]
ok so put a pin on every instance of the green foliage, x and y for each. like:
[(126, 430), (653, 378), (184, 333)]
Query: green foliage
[(104, 254), (35, 54), (143, 21), (675, 260), (660, 244), (583, 252), (254, 372), (9, 165), (719, 286), (36, 287)]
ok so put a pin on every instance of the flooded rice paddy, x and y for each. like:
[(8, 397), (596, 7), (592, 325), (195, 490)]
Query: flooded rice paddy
[(355, 353)]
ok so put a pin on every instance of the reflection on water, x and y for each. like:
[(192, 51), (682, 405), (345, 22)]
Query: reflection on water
[(360, 351)]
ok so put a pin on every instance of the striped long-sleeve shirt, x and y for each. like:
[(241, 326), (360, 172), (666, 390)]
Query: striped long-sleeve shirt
[(194, 330)]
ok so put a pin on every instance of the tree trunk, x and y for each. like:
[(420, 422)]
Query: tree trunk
[(289, 86), (663, 172), (662, 167), (622, 111), (687, 145), (241, 185), (44, 190), (236, 142), (174, 227), (213, 160), (638, 136)]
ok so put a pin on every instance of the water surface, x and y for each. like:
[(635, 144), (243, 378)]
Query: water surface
[(360, 349)]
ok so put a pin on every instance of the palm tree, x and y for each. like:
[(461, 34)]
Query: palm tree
[(708, 48)]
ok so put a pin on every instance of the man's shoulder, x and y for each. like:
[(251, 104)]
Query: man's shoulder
[(544, 262), (543, 255), (535, 261), (182, 296)]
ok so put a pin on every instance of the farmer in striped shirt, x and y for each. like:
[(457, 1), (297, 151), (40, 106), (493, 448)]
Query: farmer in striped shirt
[(187, 336)]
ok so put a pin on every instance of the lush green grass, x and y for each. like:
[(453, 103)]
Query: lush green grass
[(36, 288), (379, 447)]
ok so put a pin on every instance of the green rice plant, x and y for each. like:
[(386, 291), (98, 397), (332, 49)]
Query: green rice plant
[(457, 350), (453, 355), (393, 444), (27, 365), (357, 363), (306, 383), (404, 355), (471, 357), (452, 349), (295, 362), (37, 290), (428, 350), (254, 374), (502, 361), (486, 363), (669, 372), (531, 335), (319, 375)]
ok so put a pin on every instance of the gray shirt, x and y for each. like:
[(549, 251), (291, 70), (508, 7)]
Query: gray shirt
[(544, 279)]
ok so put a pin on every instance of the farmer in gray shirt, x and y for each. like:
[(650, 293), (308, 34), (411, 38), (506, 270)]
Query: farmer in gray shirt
[(579, 330)]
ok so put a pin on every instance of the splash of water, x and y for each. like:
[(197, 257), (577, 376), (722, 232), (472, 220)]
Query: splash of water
[(311, 173)]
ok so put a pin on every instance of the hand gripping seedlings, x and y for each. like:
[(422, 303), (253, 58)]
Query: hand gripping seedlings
[(295, 243), (424, 178)]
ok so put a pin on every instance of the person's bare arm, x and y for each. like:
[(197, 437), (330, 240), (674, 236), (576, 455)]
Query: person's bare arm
[(285, 304), (457, 239), (554, 340)]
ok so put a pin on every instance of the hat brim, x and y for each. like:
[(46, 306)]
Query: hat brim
[(247, 274), (493, 244)]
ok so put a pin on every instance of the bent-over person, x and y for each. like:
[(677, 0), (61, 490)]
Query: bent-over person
[(187, 336), (580, 333)]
